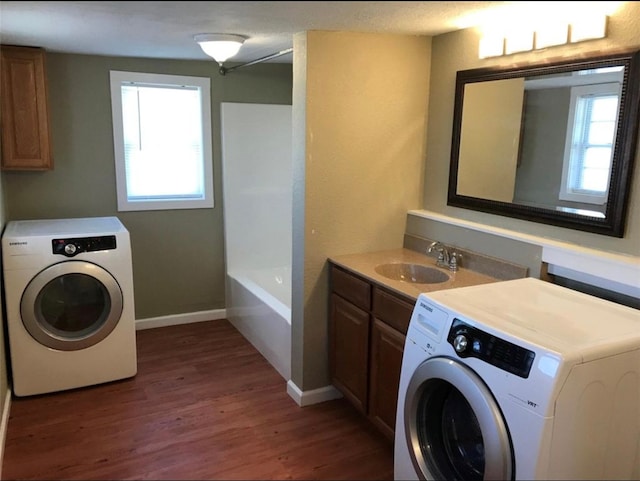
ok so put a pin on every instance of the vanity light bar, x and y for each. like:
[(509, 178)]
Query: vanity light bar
[(589, 27), (519, 41), (552, 34), (491, 46)]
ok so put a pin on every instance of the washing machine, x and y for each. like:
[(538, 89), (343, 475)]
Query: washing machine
[(519, 379), (69, 301)]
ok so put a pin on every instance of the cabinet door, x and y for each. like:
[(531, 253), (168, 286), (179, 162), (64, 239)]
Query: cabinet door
[(349, 350), (25, 115), (351, 287), (387, 346), (392, 309)]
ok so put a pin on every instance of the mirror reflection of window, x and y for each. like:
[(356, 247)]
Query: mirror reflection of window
[(590, 140), (568, 140)]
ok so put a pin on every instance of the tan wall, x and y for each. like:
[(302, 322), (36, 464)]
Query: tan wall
[(365, 98), (459, 51)]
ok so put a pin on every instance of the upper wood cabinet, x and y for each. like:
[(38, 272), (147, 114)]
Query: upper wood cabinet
[(25, 114)]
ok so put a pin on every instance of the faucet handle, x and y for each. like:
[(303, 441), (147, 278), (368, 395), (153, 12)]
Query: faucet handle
[(453, 261), (432, 246)]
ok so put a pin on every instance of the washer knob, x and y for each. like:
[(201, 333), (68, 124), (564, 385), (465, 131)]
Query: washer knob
[(70, 249), (460, 343)]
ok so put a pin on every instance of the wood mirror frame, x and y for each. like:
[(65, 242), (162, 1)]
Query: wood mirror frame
[(611, 221)]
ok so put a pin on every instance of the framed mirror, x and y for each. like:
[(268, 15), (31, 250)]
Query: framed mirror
[(552, 143)]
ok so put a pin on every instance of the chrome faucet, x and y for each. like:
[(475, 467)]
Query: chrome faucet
[(443, 253), (450, 262)]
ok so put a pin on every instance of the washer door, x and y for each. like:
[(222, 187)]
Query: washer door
[(71, 305), (454, 427)]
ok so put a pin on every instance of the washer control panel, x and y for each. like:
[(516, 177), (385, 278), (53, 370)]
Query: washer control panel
[(469, 341), (77, 245)]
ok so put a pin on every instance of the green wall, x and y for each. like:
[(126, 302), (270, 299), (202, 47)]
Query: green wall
[(178, 256)]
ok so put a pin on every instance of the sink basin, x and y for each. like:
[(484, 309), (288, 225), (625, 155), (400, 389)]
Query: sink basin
[(413, 273)]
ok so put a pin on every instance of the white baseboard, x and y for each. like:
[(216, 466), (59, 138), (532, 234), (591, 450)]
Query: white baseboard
[(315, 396), (4, 425), (176, 319)]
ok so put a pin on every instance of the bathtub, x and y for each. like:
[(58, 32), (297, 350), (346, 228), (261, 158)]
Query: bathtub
[(259, 306)]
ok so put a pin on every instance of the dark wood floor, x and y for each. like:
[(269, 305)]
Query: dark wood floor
[(204, 405)]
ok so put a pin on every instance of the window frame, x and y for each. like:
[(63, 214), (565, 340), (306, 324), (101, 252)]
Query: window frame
[(119, 78)]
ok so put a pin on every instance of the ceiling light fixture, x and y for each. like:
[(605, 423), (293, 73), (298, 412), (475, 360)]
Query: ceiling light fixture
[(223, 46), (220, 46)]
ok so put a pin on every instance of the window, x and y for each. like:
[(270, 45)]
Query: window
[(162, 141), (593, 118)]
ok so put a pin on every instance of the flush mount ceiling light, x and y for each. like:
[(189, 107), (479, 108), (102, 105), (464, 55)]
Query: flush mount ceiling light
[(223, 46), (220, 46)]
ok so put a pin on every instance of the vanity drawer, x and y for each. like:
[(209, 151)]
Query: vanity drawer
[(392, 309), (351, 288)]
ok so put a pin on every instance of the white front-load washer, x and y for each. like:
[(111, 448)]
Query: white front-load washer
[(519, 379), (69, 303)]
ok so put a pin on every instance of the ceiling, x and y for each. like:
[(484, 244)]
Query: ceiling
[(166, 29)]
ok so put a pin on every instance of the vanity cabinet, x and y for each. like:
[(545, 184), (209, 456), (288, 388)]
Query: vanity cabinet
[(350, 330), (387, 346), (25, 116), (391, 316), (367, 328)]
